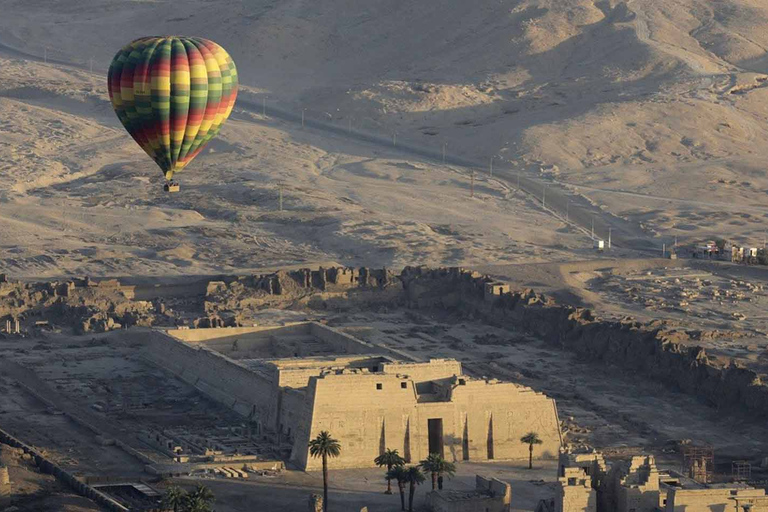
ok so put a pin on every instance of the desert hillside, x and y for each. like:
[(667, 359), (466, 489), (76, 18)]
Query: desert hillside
[(655, 111)]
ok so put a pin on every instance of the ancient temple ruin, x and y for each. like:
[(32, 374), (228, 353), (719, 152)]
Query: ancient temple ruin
[(363, 394)]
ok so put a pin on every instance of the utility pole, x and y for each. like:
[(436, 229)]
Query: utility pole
[(45, 55), (444, 145), (394, 138), (264, 106), (490, 169), (472, 185), (90, 62), (544, 197), (609, 237), (567, 210), (280, 197), (302, 117), (518, 179), (664, 250), (593, 227)]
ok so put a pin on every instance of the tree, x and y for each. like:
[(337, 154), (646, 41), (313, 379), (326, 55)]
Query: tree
[(436, 465), (174, 498), (203, 493), (398, 474), (198, 500), (390, 459), (196, 504), (414, 477), (324, 446), (531, 438)]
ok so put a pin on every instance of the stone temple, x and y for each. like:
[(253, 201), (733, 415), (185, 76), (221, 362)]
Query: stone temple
[(292, 382)]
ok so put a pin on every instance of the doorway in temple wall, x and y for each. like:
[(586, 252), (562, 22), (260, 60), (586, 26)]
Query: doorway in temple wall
[(435, 429)]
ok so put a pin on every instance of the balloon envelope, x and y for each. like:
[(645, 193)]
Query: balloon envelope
[(172, 94)]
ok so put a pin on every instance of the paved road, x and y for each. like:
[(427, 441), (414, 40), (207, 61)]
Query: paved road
[(19, 54), (557, 200)]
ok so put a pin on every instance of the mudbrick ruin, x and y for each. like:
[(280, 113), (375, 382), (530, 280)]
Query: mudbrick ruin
[(655, 349), (253, 367)]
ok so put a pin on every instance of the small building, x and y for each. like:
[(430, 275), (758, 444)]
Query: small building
[(737, 254), (709, 498), (575, 492), (711, 250), (578, 477), (638, 488), (494, 289), (490, 495)]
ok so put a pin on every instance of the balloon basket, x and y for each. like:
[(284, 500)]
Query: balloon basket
[(171, 187)]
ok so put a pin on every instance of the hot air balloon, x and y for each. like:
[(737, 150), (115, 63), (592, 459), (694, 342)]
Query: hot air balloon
[(172, 94)]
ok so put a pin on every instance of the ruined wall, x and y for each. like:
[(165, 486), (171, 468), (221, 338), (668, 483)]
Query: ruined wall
[(81, 304), (295, 373), (419, 372), (707, 500), (638, 489), (343, 343), (236, 295), (65, 477), (5, 487), (249, 342), (227, 334), (670, 356), (481, 421), (576, 498), (448, 501), (223, 379)]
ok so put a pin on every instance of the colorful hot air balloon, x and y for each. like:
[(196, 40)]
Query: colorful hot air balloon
[(172, 94)]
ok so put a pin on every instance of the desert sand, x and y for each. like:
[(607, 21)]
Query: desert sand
[(654, 113)]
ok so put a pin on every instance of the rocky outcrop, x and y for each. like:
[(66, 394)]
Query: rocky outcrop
[(232, 297), (82, 304), (654, 350)]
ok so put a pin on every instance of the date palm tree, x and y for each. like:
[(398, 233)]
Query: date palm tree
[(174, 498), (324, 446), (531, 438), (414, 477), (199, 500), (398, 474), (196, 504), (390, 459), (436, 465)]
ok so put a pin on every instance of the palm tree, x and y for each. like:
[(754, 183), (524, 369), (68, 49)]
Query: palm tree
[(203, 493), (196, 504), (324, 446), (414, 477), (389, 458), (198, 500), (397, 473), (436, 465), (531, 438), (174, 498)]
